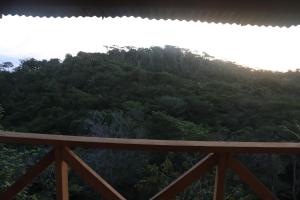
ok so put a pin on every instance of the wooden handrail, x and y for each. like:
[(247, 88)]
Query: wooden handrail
[(220, 155), (149, 145)]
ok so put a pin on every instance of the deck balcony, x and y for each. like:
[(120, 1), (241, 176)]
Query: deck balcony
[(221, 156)]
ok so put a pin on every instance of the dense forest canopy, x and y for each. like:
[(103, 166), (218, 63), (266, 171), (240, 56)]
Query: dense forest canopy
[(161, 93)]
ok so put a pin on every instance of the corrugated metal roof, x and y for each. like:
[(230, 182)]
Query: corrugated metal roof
[(253, 12)]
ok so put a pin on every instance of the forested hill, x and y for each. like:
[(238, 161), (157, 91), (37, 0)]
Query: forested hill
[(162, 93), (152, 88)]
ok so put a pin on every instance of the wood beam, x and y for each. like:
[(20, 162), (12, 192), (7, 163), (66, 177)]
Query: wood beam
[(220, 177), (90, 176), (187, 178), (28, 177), (258, 187), (147, 145), (61, 173)]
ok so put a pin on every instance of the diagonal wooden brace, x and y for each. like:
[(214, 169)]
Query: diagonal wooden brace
[(258, 187), (90, 176), (28, 177), (187, 178)]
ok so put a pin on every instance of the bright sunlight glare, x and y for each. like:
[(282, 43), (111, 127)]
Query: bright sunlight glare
[(269, 48)]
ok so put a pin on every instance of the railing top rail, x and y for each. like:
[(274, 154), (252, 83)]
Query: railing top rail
[(147, 144)]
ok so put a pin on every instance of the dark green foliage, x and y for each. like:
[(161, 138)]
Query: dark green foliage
[(161, 93), (1, 115), (14, 161)]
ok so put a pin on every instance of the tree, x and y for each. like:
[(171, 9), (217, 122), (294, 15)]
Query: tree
[(6, 66), (1, 115)]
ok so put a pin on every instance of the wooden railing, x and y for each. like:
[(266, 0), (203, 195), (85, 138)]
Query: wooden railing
[(220, 154)]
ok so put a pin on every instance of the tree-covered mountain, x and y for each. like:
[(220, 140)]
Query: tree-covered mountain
[(162, 93)]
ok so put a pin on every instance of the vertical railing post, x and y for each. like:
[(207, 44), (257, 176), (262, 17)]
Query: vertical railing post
[(220, 176), (61, 173)]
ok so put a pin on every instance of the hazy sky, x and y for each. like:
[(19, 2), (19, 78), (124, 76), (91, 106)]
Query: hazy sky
[(270, 48)]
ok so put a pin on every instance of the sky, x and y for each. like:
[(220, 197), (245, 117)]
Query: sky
[(269, 48)]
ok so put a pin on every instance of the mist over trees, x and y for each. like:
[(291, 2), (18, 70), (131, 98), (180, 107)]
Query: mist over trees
[(160, 93)]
